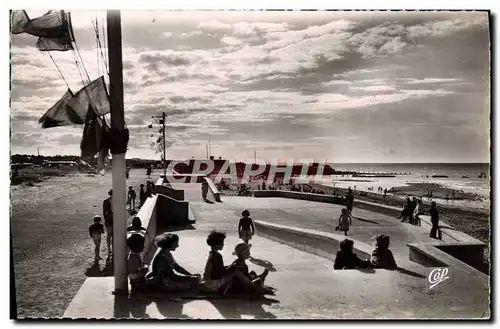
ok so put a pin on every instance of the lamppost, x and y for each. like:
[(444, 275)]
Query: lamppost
[(161, 121)]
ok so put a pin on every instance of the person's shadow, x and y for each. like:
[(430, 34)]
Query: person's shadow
[(231, 308), (366, 220), (95, 269), (172, 309), (411, 273)]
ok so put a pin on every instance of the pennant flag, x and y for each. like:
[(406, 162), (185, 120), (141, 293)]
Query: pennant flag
[(18, 21), (94, 94), (59, 44), (93, 132), (53, 29), (62, 115)]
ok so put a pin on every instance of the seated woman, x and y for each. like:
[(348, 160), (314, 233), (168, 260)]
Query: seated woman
[(406, 212), (216, 277), (346, 259), (135, 264), (164, 267), (382, 256), (245, 282)]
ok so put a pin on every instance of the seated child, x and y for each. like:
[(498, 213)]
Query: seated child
[(346, 259), (135, 264), (245, 282), (216, 277), (382, 256), (136, 225)]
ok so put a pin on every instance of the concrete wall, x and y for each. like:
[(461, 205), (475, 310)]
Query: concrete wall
[(170, 192), (171, 212), (213, 189), (456, 243), (470, 254), (147, 214), (294, 195), (319, 243)]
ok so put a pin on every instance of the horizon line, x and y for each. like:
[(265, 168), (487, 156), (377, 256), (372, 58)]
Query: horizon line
[(328, 162)]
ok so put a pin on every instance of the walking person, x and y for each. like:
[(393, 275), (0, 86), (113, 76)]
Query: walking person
[(131, 198), (345, 221), (107, 209), (95, 231), (434, 212), (417, 212), (349, 201), (142, 195), (246, 229), (204, 190)]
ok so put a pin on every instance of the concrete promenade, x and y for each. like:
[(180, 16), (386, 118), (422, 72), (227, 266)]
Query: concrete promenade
[(308, 287)]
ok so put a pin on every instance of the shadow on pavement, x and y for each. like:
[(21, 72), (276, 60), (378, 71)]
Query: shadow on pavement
[(366, 270), (95, 269), (366, 220), (236, 309), (408, 272), (172, 308)]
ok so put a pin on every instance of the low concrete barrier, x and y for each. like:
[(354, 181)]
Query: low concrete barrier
[(171, 212), (295, 195), (170, 192), (147, 214), (213, 189), (319, 243), (456, 243)]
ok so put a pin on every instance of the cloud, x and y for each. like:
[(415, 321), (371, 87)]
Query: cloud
[(252, 78), (374, 88), (156, 58), (432, 80), (231, 41), (167, 35), (214, 25), (337, 82)]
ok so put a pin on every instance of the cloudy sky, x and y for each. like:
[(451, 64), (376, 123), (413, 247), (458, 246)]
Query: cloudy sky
[(349, 87)]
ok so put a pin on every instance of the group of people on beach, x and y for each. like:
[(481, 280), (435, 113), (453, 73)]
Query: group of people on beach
[(166, 275), (381, 256)]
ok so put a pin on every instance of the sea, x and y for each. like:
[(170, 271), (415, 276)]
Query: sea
[(460, 176)]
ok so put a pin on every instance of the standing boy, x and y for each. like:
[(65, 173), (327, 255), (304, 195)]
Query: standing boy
[(95, 231)]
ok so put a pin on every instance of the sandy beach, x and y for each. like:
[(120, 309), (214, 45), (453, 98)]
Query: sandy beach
[(52, 248)]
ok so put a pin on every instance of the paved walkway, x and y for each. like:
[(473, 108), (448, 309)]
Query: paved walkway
[(308, 287), (366, 225)]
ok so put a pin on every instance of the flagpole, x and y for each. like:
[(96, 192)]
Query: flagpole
[(164, 118), (118, 170)]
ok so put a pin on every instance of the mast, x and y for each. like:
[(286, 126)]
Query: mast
[(209, 151), (164, 118), (117, 124)]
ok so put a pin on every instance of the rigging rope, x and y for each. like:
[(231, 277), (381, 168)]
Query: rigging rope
[(58, 69), (99, 46), (97, 51)]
